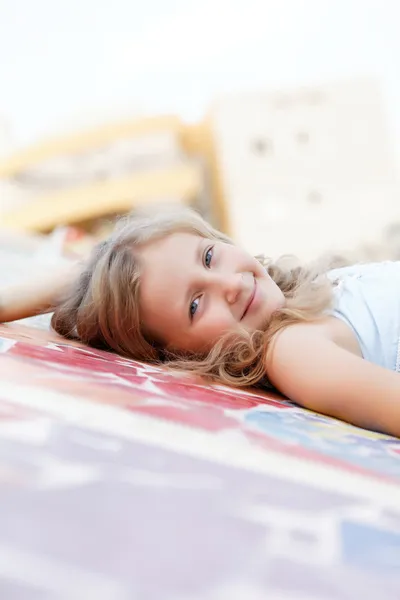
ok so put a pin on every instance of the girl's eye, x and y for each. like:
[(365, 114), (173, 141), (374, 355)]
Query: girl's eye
[(208, 257), (193, 307)]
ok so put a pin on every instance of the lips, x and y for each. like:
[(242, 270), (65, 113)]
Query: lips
[(250, 300)]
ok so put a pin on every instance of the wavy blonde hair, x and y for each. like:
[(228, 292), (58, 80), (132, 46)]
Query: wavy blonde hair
[(102, 307)]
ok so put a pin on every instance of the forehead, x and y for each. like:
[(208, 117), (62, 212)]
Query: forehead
[(168, 259)]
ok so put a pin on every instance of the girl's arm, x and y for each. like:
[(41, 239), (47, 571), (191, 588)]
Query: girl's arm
[(312, 370), (38, 293)]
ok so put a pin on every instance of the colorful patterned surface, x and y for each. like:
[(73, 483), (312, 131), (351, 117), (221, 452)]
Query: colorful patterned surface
[(119, 480)]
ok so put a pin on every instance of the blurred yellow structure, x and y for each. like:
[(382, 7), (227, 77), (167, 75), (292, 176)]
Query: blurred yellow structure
[(109, 170)]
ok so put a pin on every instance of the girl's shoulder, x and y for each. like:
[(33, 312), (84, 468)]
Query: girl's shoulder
[(361, 270), (309, 368), (293, 355)]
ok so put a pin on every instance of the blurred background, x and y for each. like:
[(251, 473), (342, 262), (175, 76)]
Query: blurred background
[(278, 119)]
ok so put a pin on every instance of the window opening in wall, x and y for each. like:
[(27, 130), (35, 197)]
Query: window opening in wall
[(262, 146), (314, 197), (302, 138)]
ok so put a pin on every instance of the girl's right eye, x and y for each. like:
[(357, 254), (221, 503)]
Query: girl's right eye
[(208, 256), (193, 307)]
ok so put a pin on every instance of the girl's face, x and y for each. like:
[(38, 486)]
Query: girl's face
[(193, 290)]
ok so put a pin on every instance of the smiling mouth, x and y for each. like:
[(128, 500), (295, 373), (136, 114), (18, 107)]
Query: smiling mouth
[(250, 299)]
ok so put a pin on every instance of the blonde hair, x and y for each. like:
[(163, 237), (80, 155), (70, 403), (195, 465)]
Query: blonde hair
[(102, 307)]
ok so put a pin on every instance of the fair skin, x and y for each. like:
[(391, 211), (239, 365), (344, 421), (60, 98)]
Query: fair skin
[(193, 290), (212, 285), (330, 379), (38, 293)]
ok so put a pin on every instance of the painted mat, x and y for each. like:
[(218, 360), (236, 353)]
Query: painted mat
[(121, 481)]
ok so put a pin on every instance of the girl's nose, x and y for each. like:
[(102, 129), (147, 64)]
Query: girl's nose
[(232, 287)]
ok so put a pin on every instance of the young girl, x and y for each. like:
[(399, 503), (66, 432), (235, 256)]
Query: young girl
[(169, 288)]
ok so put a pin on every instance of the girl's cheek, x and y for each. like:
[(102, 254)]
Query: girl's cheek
[(217, 322)]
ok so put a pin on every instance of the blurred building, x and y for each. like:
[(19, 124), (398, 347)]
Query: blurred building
[(307, 171)]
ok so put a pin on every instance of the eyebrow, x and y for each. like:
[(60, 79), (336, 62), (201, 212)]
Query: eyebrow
[(189, 291)]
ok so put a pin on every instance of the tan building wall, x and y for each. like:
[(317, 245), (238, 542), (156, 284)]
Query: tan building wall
[(307, 171)]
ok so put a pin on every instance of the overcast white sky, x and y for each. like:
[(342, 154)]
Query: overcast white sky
[(70, 61)]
